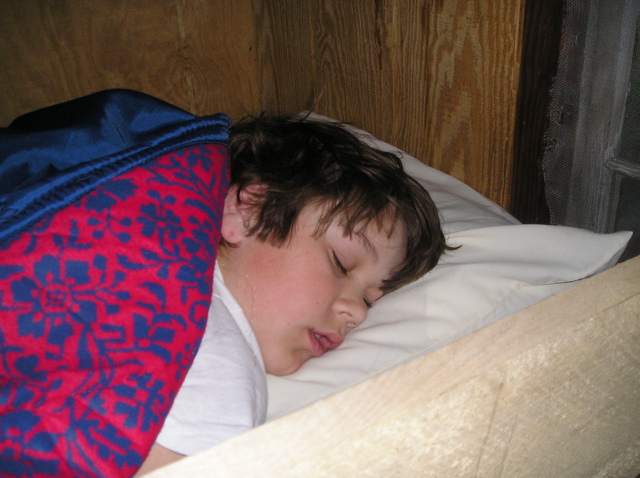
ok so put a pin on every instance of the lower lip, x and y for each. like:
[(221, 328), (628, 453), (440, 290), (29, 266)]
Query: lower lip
[(317, 349)]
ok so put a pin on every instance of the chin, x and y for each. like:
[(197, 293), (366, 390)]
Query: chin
[(280, 370)]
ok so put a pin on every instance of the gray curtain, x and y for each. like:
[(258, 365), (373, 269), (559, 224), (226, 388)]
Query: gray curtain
[(592, 159)]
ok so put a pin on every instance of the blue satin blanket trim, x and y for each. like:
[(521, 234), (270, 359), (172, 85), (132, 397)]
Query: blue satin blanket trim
[(51, 157)]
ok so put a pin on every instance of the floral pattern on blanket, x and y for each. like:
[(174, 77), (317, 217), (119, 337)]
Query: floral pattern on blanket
[(102, 308)]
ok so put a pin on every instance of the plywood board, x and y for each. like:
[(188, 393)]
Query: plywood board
[(199, 55), (438, 79)]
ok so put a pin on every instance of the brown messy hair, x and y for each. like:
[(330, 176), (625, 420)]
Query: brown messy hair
[(300, 162)]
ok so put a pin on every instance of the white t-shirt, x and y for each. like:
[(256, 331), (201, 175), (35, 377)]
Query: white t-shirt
[(225, 390)]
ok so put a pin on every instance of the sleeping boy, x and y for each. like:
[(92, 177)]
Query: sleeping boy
[(316, 228)]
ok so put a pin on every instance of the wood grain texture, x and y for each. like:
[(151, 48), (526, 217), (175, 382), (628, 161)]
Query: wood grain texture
[(474, 68), (199, 55), (438, 79), (285, 74), (353, 63), (550, 391)]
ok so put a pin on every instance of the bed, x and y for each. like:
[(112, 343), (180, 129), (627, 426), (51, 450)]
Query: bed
[(518, 356)]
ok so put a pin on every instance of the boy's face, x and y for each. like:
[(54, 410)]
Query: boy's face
[(302, 298)]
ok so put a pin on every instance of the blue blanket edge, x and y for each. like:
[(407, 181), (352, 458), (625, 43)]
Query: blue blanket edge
[(131, 127)]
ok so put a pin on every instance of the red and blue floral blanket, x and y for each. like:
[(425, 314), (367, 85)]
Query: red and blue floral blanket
[(110, 211)]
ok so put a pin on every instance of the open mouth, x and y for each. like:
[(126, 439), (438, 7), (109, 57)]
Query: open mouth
[(321, 343)]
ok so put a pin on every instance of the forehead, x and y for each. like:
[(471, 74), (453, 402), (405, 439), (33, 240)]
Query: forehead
[(355, 223), (383, 240)]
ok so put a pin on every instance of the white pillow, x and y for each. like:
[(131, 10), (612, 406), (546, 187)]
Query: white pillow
[(502, 267), (460, 206)]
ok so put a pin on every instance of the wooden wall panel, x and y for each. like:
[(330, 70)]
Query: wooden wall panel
[(197, 54), (472, 73), (438, 78), (354, 62), (332, 57), (286, 75)]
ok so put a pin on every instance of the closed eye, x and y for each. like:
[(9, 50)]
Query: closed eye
[(343, 271), (341, 268)]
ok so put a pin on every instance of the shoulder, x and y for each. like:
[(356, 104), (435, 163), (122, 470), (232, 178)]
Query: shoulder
[(224, 392)]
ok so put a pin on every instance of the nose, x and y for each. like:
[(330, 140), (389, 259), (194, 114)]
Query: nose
[(350, 313)]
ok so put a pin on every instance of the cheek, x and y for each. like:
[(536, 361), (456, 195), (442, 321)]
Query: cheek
[(315, 291), (294, 301), (304, 282)]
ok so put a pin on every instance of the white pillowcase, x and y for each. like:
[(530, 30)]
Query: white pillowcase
[(502, 267)]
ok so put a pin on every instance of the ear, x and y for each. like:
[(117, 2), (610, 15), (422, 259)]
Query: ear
[(237, 213)]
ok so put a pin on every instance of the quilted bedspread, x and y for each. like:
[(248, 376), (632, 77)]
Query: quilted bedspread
[(110, 210)]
